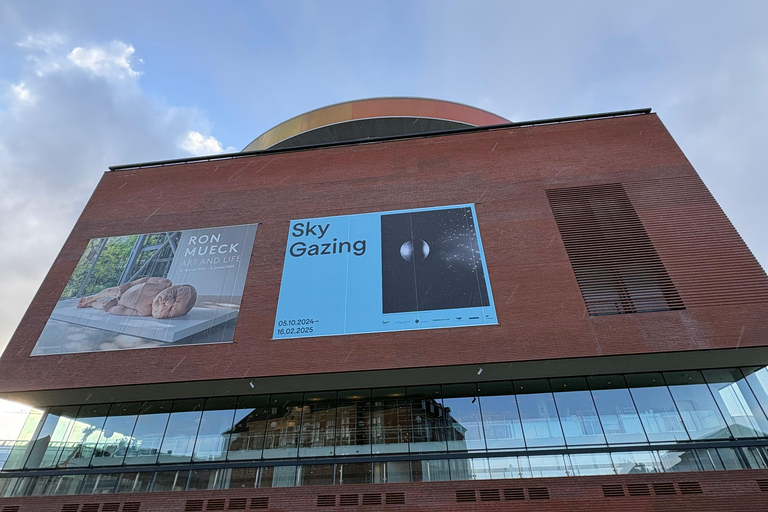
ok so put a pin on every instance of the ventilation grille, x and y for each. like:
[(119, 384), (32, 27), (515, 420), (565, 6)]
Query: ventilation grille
[(641, 489), (371, 499), (664, 489), (395, 498), (326, 500), (465, 495), (194, 506), (709, 262), (490, 495), (349, 499), (69, 507), (613, 491), (90, 507), (690, 488), (615, 263), (538, 493), (132, 506), (11, 508), (110, 507), (260, 502), (215, 505), (534, 493), (237, 504), (514, 494)]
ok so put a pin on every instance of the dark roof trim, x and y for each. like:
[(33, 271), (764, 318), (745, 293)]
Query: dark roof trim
[(242, 154)]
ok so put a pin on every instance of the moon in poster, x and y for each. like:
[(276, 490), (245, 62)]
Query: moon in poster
[(417, 248)]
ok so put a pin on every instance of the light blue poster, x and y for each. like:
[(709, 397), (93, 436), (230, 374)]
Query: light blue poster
[(385, 271)]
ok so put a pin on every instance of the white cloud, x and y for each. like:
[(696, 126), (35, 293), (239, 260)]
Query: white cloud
[(198, 144), (111, 61), (72, 112)]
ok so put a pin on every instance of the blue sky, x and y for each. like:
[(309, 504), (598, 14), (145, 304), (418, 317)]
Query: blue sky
[(85, 85)]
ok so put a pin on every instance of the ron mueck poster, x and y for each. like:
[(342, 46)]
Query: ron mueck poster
[(386, 271)]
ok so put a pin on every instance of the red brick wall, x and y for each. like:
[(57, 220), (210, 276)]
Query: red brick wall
[(719, 491), (505, 172)]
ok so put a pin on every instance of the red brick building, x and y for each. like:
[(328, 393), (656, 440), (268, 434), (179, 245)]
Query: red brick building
[(626, 366)]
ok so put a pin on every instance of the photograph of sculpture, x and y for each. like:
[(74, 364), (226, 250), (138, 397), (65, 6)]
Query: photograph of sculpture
[(152, 290), (431, 260)]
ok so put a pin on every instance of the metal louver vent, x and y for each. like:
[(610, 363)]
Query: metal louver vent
[(690, 488), (131, 506), (110, 507), (215, 505), (326, 500), (69, 507), (538, 493), (193, 506), (489, 495), (349, 499), (613, 491), (371, 499), (616, 265), (395, 498), (237, 504), (11, 508), (762, 485), (90, 507), (260, 502), (664, 489), (514, 494), (464, 495), (640, 489)]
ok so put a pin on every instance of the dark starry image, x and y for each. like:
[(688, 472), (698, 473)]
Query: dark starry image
[(431, 260)]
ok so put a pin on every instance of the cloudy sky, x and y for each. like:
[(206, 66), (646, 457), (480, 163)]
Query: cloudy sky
[(85, 85)]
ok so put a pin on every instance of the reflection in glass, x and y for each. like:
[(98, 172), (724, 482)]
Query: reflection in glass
[(85, 432), (68, 484), (179, 439), (576, 410), (391, 472), (389, 421), (501, 419), (240, 478), (148, 433), (116, 435), (6, 486), (318, 424), (50, 440), (282, 438), (428, 420), (464, 426), (754, 457), (541, 425), (277, 476), (470, 469), (135, 482), (170, 481), (247, 439), (353, 422), (548, 466), (738, 404), (430, 471), (675, 461), (618, 416), (215, 429), (586, 464), (709, 459), (23, 444), (509, 467), (657, 411), (205, 479), (757, 378), (353, 473), (636, 462), (697, 407)]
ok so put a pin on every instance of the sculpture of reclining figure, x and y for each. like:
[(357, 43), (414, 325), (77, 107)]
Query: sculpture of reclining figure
[(148, 296)]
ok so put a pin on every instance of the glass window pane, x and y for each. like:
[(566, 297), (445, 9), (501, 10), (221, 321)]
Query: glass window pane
[(389, 421), (104, 483), (757, 378), (353, 473), (754, 457), (80, 444), (135, 482), (578, 416), (204, 479), (179, 439), (277, 476), (240, 478), (541, 425), (44, 486), (464, 426), (636, 462), (657, 411), (6, 486), (215, 429), (709, 459), (586, 464), (69, 484), (282, 439), (170, 481), (501, 419), (618, 416), (391, 472), (318, 425), (116, 434), (675, 461), (23, 444), (544, 466), (353, 422), (430, 471), (697, 407), (148, 433), (251, 416), (427, 420), (315, 474), (509, 467), (50, 440), (470, 469), (738, 404)]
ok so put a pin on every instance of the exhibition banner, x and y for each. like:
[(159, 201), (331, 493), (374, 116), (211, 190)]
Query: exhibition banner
[(386, 271), (152, 290)]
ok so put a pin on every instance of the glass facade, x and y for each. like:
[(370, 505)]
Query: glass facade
[(636, 423)]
